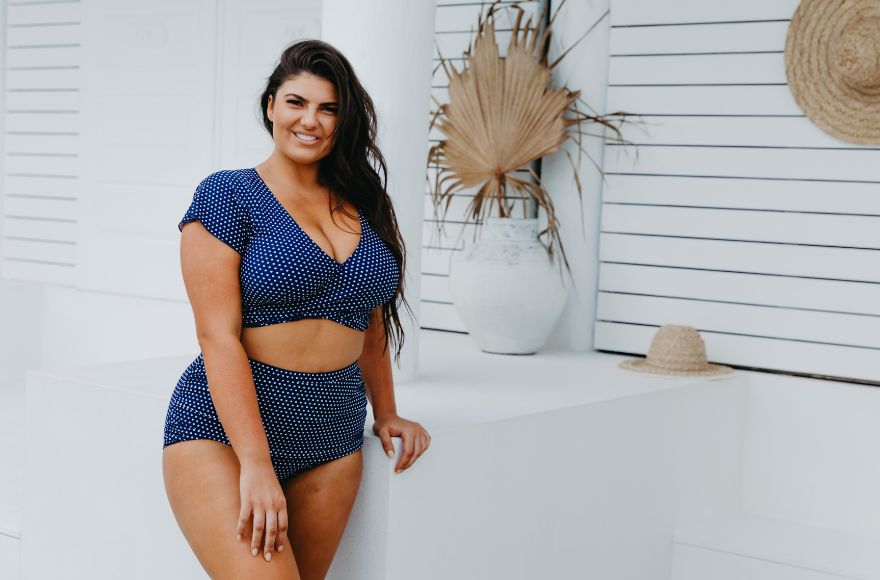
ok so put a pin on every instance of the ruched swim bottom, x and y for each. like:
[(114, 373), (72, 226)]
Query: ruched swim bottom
[(309, 417)]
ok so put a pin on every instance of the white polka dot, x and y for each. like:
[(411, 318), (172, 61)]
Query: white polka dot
[(309, 418), (284, 274)]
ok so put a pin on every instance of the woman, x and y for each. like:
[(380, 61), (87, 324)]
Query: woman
[(293, 315)]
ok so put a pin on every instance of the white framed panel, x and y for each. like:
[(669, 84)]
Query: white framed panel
[(148, 127)]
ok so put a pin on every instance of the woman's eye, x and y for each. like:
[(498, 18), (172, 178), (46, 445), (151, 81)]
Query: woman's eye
[(297, 102)]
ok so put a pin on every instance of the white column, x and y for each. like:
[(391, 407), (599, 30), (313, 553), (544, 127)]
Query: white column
[(390, 45), (584, 68)]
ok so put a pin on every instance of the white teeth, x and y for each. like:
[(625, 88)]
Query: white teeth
[(305, 137)]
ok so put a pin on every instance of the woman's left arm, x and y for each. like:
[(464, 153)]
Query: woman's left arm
[(375, 368)]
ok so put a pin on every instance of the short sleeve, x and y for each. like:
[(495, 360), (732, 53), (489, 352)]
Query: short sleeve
[(215, 204)]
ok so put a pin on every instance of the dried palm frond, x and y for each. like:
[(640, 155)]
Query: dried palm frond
[(502, 115)]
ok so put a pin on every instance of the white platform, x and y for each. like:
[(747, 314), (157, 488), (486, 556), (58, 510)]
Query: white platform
[(546, 458), (556, 465)]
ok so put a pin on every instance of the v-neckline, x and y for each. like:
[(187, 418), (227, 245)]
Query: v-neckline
[(306, 235)]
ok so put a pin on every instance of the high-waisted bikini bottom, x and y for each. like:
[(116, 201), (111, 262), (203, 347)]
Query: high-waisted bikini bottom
[(309, 417)]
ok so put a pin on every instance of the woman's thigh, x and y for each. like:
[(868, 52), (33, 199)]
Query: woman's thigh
[(319, 503), (202, 484)]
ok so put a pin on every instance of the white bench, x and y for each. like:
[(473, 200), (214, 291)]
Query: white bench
[(539, 466)]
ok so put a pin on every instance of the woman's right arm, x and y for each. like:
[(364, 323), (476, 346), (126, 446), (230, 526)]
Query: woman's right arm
[(211, 276)]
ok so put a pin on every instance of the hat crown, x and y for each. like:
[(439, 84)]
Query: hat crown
[(855, 54), (677, 348)]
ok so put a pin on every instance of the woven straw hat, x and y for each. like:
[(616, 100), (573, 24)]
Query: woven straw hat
[(832, 62), (676, 350)]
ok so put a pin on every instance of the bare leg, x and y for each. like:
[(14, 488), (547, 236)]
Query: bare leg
[(319, 502), (202, 484)]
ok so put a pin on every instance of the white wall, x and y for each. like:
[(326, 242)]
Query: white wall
[(738, 216), (164, 93), (161, 94)]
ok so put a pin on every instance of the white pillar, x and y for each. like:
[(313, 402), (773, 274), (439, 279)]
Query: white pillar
[(584, 68), (390, 45)]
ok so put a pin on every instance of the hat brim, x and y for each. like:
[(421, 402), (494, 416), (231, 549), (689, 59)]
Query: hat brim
[(644, 366)]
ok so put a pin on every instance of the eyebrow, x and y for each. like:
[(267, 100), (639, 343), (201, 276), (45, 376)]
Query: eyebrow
[(305, 100)]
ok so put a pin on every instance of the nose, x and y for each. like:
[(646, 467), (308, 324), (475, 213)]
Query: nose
[(309, 118)]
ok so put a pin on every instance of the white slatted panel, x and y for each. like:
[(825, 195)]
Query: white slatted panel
[(41, 124), (454, 26), (738, 216)]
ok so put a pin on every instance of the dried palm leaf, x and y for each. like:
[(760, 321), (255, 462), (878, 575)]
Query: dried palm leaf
[(503, 114)]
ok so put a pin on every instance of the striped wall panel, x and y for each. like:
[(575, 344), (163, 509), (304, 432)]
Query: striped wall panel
[(734, 214), (41, 165), (455, 23)]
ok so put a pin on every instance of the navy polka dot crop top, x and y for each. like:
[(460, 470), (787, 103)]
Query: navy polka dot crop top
[(284, 274)]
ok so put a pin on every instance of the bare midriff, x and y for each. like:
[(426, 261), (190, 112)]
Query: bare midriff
[(308, 345)]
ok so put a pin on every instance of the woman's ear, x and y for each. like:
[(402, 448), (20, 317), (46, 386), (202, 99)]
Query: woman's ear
[(269, 107)]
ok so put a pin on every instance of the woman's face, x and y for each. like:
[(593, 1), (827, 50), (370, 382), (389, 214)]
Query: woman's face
[(305, 104)]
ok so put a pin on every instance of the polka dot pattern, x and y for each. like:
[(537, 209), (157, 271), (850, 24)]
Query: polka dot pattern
[(284, 274), (309, 417)]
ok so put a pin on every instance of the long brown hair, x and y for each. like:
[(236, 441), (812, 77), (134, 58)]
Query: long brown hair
[(347, 170)]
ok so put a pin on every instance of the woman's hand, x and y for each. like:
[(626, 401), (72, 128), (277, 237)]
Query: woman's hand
[(415, 438), (262, 496)]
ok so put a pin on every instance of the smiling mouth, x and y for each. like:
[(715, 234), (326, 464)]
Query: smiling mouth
[(305, 140)]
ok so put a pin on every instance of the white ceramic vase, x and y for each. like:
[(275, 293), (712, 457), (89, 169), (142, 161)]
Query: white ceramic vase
[(505, 289)]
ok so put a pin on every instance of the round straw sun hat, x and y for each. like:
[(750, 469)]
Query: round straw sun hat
[(676, 351), (832, 62)]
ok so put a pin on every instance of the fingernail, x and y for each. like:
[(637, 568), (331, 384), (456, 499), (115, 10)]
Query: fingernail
[(281, 547), (238, 537), (268, 556), (390, 453), (253, 551)]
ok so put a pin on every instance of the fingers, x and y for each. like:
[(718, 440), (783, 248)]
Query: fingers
[(408, 449), (273, 520), (385, 437), (282, 527), (259, 526), (243, 515), (414, 445), (271, 533)]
